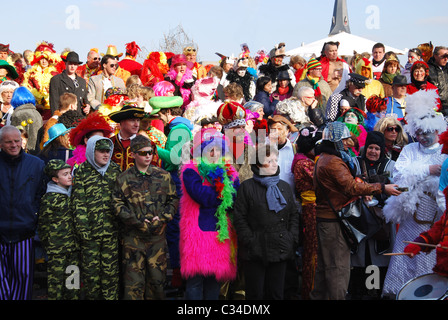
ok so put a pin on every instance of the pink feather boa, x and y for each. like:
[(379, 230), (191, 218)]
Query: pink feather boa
[(79, 156), (201, 253), (188, 75)]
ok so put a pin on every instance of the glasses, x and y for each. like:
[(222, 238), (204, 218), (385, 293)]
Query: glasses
[(114, 65), (317, 69), (391, 129), (96, 59), (190, 49), (145, 153)]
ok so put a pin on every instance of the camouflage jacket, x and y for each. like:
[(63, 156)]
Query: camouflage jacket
[(140, 196), (91, 201), (55, 224)]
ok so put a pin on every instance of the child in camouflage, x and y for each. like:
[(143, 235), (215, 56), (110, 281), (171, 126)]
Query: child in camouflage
[(56, 231), (145, 200)]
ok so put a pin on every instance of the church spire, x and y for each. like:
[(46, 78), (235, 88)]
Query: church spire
[(339, 22)]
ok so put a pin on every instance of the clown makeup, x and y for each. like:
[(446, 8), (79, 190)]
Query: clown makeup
[(350, 117), (419, 74), (426, 138)]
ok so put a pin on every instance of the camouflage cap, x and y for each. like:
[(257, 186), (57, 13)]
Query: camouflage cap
[(103, 144), (55, 165)]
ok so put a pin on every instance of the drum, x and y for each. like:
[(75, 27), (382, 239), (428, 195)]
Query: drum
[(426, 287)]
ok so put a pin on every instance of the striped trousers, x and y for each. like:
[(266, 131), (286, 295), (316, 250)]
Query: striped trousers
[(16, 270)]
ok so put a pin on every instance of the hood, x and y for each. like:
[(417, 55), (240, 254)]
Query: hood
[(90, 153), (178, 120), (53, 187)]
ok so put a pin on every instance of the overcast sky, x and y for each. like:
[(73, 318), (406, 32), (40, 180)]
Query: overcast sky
[(216, 26)]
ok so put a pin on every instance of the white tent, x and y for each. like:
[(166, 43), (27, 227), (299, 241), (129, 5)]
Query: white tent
[(347, 44)]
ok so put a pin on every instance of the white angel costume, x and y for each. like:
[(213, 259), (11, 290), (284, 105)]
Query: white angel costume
[(415, 210)]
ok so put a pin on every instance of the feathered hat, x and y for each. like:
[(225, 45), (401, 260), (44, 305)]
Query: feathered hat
[(46, 50), (421, 113), (93, 122), (132, 49)]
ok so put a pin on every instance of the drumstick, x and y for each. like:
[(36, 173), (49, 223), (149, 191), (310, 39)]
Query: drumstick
[(425, 244), (397, 254)]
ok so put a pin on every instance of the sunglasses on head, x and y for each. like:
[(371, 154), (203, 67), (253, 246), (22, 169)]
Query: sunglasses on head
[(396, 129), (145, 153)]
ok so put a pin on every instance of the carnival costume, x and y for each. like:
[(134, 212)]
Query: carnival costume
[(207, 237), (37, 79), (417, 209)]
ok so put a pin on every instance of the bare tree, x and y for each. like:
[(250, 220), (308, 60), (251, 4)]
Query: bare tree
[(176, 40)]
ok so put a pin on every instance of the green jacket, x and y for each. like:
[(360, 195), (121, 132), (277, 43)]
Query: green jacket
[(139, 196), (92, 201), (56, 224)]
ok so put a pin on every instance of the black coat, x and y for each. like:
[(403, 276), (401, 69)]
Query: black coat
[(264, 235), (62, 83)]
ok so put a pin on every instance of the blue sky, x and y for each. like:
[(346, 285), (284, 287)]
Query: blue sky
[(216, 26)]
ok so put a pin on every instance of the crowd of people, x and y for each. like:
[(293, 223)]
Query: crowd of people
[(230, 176)]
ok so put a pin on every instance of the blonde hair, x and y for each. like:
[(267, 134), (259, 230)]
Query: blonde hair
[(383, 123)]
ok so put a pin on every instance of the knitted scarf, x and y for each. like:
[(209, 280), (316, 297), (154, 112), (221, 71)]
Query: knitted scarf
[(315, 83), (218, 175)]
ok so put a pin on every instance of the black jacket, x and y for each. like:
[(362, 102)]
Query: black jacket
[(439, 77), (264, 235), (62, 83)]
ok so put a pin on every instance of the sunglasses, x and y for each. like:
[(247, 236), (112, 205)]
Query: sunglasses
[(145, 153), (190, 49), (96, 59), (114, 65), (390, 129)]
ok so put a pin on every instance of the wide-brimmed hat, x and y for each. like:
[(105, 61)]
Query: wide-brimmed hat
[(73, 57), (162, 102), (11, 70), (281, 119), (57, 130), (128, 111), (180, 58), (112, 51)]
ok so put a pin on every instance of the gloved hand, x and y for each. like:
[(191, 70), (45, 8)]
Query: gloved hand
[(413, 249)]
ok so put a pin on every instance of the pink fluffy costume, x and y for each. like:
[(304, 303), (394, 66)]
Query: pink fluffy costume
[(207, 238)]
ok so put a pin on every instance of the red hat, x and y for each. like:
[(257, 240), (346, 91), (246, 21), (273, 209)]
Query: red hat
[(132, 48), (443, 140), (231, 114), (93, 122)]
